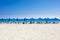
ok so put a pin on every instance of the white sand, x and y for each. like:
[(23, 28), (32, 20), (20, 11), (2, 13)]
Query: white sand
[(29, 31)]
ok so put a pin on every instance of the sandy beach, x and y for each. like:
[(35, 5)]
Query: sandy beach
[(29, 31)]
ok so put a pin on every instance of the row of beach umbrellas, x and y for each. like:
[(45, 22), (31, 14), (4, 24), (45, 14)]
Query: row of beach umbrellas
[(30, 21)]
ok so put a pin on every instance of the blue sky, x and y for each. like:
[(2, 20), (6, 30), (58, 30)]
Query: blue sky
[(29, 8)]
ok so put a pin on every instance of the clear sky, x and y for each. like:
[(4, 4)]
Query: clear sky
[(29, 8)]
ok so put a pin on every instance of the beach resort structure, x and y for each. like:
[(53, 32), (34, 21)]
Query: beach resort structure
[(31, 21)]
